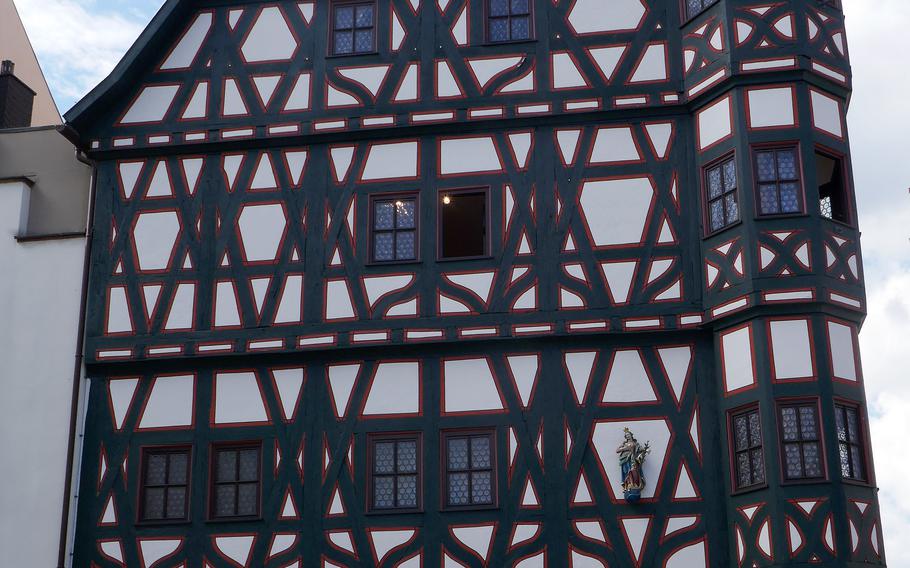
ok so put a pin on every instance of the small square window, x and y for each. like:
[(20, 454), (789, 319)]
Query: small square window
[(236, 481), (353, 28), (801, 442), (722, 195), (165, 485), (508, 20), (832, 187), (394, 229), (851, 448), (696, 7), (463, 224), (748, 449), (395, 473), (778, 180), (470, 469)]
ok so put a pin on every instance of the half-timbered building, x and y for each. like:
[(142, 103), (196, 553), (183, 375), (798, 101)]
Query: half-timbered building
[(383, 283)]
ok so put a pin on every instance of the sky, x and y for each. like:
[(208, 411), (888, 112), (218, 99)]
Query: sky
[(78, 43)]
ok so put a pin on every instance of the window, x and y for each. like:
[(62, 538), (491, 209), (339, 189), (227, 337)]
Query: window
[(463, 225), (353, 28), (470, 469), (723, 201), (394, 229), (779, 187), (832, 189), (696, 7), (801, 445), (237, 474), (508, 20), (850, 442), (395, 473), (165, 484), (748, 453)]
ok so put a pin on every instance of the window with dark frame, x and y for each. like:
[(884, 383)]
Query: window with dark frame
[(801, 442), (508, 20), (832, 187), (236, 481), (394, 227), (779, 187), (395, 479), (470, 474), (165, 484), (748, 449), (463, 224), (696, 7), (723, 198), (850, 442), (353, 28)]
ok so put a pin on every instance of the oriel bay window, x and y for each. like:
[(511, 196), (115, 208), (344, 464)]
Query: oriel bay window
[(236, 481), (722, 195), (748, 450), (395, 473), (801, 441), (394, 229), (779, 187), (850, 442), (165, 484), (470, 469)]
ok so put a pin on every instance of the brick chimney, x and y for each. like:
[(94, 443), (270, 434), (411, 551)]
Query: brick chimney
[(16, 99)]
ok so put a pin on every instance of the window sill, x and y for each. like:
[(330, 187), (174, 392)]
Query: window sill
[(383, 263), (814, 481), (346, 55), (385, 512), (465, 258), (166, 523), (722, 231), (751, 489), (231, 520), (771, 217), (529, 41)]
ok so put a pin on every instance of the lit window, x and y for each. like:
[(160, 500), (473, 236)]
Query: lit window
[(801, 444), (779, 188), (236, 478), (850, 442), (463, 224), (508, 20), (470, 469), (353, 28), (723, 199), (748, 451), (394, 229), (395, 473)]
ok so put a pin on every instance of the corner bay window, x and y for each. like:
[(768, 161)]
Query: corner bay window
[(395, 473), (353, 28), (748, 451), (802, 449), (470, 473), (463, 224), (394, 229), (508, 20), (236, 478), (165, 484), (779, 188), (723, 200), (850, 442)]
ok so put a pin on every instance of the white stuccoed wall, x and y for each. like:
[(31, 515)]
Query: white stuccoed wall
[(40, 286)]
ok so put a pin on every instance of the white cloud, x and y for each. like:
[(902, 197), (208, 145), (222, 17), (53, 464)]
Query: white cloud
[(78, 43)]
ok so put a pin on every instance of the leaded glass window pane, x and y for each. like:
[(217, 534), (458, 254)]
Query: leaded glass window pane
[(164, 484), (396, 473), (779, 189), (237, 482), (508, 20), (850, 445), (354, 28), (723, 203), (749, 459), (799, 428), (394, 229), (470, 473)]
